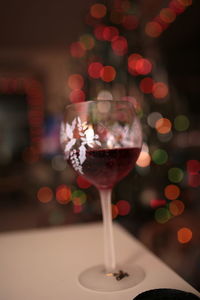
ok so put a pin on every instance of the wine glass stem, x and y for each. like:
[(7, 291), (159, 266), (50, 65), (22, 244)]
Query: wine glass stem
[(109, 251)]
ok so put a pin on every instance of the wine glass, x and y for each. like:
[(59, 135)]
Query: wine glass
[(101, 141)]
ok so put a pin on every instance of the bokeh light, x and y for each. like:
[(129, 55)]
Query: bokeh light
[(184, 235), (104, 95), (144, 159), (77, 96), (162, 215), (181, 123), (176, 207), (45, 194), (98, 10), (172, 191), (120, 45), (87, 41), (115, 211), (108, 73), (194, 180), (79, 197), (82, 182), (175, 175), (63, 194), (153, 29), (163, 125), (193, 166), (160, 90), (143, 66), (167, 15), (123, 207), (160, 156), (154, 203), (94, 69), (77, 50), (98, 32), (75, 81), (153, 118), (110, 33), (146, 85)]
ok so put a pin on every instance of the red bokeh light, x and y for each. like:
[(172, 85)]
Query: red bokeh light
[(157, 203), (108, 73), (120, 45), (45, 194), (177, 6), (98, 32), (77, 50), (143, 66), (146, 85), (123, 207), (194, 180), (82, 182), (77, 96), (110, 33), (193, 166), (94, 69)]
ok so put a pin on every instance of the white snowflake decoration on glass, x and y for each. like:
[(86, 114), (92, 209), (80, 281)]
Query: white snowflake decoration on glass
[(87, 138)]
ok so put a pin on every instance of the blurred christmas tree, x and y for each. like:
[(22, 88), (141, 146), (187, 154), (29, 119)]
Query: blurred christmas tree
[(118, 58)]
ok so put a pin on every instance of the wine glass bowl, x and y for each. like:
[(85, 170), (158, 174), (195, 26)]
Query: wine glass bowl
[(101, 140)]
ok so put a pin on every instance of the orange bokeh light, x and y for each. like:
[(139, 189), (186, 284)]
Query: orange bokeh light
[(45, 194), (98, 10), (163, 125), (115, 211), (108, 73), (144, 159), (184, 235), (160, 90), (176, 207), (75, 81), (172, 191), (63, 194)]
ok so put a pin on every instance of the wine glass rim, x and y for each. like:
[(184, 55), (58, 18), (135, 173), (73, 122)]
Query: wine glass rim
[(98, 101)]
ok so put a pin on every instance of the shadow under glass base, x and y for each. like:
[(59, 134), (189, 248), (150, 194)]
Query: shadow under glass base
[(96, 279)]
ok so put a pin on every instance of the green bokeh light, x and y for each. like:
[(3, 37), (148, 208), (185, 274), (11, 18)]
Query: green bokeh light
[(181, 123), (160, 156), (162, 215), (175, 175), (80, 195)]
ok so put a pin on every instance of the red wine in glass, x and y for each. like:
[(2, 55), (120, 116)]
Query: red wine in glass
[(105, 167)]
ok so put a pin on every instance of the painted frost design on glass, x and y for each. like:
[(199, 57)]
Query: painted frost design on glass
[(84, 134)]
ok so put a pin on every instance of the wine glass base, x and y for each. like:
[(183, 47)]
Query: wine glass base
[(96, 279)]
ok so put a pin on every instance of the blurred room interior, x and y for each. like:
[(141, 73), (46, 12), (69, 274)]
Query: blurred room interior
[(159, 201)]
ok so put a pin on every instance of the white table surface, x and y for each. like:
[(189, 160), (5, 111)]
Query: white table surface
[(45, 263)]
